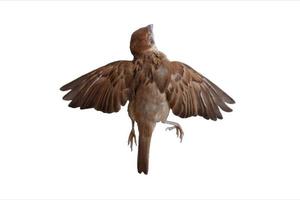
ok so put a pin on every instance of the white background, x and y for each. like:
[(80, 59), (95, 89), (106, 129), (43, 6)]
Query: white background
[(250, 49)]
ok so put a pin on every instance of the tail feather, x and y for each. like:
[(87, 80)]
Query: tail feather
[(145, 133), (143, 154)]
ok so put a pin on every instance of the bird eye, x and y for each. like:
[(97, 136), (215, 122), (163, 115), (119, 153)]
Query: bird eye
[(151, 40)]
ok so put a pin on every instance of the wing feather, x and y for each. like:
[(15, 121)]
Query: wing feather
[(190, 94), (106, 89)]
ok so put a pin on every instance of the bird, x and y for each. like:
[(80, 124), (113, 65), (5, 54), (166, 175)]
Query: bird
[(153, 85)]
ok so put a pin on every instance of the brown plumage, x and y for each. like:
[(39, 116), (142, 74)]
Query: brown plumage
[(153, 85)]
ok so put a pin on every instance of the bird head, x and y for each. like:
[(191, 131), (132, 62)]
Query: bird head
[(142, 41)]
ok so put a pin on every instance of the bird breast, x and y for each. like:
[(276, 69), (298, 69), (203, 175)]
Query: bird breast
[(149, 104)]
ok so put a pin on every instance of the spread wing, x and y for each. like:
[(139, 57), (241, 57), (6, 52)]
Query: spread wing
[(105, 89), (190, 94)]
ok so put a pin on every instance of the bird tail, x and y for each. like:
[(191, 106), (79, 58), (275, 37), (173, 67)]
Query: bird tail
[(145, 133)]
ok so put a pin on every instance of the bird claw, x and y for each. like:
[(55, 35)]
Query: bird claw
[(170, 128), (131, 138), (179, 131)]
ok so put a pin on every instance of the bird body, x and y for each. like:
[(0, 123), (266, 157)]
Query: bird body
[(148, 105), (153, 85)]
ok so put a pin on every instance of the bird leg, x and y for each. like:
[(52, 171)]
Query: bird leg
[(179, 131), (132, 136)]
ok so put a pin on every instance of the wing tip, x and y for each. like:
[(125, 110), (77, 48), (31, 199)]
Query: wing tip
[(230, 100), (72, 106), (64, 88), (229, 110)]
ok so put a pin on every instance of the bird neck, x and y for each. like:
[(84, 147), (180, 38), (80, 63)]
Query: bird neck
[(147, 52), (155, 57)]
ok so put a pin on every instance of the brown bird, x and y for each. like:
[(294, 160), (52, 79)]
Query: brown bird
[(153, 85)]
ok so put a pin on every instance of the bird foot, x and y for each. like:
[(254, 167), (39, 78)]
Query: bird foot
[(179, 131), (131, 138)]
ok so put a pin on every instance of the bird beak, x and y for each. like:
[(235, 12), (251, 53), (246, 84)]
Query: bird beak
[(150, 27)]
